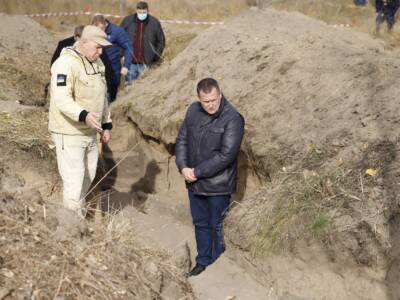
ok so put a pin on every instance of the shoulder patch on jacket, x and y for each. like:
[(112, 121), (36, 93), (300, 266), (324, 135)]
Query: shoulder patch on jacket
[(61, 80)]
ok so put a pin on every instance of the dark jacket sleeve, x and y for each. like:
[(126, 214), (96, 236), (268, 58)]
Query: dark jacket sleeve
[(181, 147), (160, 39), (379, 5), (124, 23), (231, 141), (57, 53), (123, 41)]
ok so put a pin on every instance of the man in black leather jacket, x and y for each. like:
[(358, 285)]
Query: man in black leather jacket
[(206, 150)]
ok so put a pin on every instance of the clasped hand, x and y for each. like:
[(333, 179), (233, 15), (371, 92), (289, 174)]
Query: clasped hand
[(188, 174)]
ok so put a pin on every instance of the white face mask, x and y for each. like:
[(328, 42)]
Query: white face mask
[(142, 16)]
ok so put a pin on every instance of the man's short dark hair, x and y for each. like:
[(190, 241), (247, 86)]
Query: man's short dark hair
[(78, 30), (99, 19), (206, 85), (142, 5)]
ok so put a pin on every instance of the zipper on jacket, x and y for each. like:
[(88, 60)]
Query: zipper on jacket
[(141, 40)]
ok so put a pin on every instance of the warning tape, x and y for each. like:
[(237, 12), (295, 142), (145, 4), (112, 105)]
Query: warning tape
[(88, 13), (340, 25)]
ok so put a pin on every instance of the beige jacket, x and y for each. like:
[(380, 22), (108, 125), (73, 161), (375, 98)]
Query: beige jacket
[(76, 85)]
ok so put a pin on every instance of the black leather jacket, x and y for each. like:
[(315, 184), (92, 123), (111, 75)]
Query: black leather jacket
[(210, 144)]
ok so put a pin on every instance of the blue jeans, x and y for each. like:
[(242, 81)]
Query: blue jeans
[(208, 214), (134, 72)]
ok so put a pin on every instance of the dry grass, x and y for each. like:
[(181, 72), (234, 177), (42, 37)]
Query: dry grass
[(172, 9), (26, 130), (305, 205), (27, 81), (176, 44), (105, 263), (340, 12), (301, 206)]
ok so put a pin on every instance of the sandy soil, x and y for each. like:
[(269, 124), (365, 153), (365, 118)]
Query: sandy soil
[(320, 107), (318, 101)]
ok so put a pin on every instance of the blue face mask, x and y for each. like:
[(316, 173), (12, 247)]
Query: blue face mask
[(142, 16)]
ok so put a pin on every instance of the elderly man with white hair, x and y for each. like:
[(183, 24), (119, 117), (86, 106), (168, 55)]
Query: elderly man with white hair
[(78, 112)]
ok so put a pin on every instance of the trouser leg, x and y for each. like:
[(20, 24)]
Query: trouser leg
[(91, 160), (72, 151), (218, 207), (390, 18), (113, 87), (134, 72), (380, 17), (201, 220)]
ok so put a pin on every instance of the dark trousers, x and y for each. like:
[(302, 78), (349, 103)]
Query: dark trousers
[(208, 214), (388, 15), (112, 86)]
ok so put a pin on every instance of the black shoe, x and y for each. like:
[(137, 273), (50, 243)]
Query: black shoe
[(196, 270)]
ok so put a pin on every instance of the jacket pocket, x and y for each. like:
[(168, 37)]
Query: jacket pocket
[(213, 139), (218, 130), (85, 88)]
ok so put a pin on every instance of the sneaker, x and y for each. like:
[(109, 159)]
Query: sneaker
[(196, 270)]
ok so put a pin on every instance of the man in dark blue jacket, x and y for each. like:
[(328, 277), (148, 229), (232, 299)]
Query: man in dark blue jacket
[(206, 150), (386, 10), (116, 36)]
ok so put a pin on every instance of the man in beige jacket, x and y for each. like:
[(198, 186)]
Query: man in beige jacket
[(78, 111)]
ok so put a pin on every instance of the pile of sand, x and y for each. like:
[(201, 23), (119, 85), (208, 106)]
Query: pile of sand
[(321, 109), (25, 51)]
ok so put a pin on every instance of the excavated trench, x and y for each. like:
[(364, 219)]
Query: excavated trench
[(149, 173), (149, 168)]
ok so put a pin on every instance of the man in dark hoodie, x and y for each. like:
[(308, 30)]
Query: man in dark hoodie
[(147, 36), (386, 10), (206, 150)]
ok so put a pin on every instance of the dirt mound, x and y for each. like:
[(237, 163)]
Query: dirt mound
[(22, 33), (49, 252), (321, 111), (25, 52)]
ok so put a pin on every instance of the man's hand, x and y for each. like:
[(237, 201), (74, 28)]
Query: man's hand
[(91, 121), (124, 71), (188, 174), (106, 136)]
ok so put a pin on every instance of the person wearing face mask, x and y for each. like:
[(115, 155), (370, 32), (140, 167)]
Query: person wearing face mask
[(207, 148), (78, 112), (147, 36)]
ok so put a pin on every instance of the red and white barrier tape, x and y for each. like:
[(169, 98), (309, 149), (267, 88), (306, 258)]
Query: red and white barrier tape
[(88, 13), (340, 25)]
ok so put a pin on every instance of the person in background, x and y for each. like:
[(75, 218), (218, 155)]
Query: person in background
[(120, 41), (147, 37), (360, 2), (78, 112), (207, 148), (386, 11), (69, 41)]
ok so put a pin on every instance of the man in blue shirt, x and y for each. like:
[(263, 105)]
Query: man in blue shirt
[(119, 39)]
